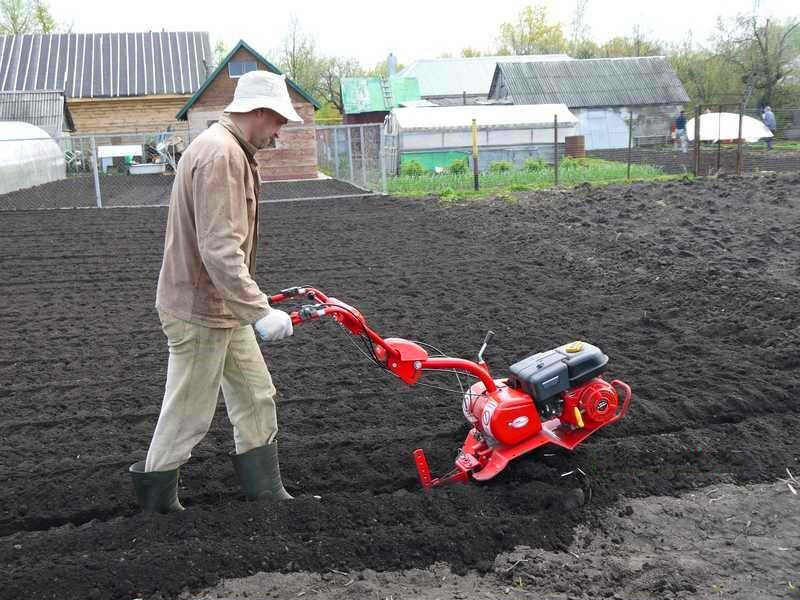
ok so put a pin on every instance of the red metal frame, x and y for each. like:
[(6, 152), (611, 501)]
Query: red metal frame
[(407, 360)]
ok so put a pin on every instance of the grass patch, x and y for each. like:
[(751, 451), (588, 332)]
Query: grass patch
[(575, 172)]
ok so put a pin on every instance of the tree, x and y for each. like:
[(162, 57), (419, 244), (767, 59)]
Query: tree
[(532, 33), (298, 57), (470, 52), (706, 76), (636, 44), (330, 88), (220, 52), (765, 50), (27, 16)]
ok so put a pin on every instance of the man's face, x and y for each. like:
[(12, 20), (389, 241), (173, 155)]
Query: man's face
[(267, 125)]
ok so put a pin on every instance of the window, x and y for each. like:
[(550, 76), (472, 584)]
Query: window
[(237, 68)]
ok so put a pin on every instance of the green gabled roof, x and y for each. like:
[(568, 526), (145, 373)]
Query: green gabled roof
[(182, 114)]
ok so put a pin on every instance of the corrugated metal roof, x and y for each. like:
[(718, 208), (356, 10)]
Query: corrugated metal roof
[(591, 82), (371, 94), (460, 117), (45, 109), (452, 76), (92, 65)]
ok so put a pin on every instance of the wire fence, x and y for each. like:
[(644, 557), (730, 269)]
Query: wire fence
[(137, 168), (627, 144)]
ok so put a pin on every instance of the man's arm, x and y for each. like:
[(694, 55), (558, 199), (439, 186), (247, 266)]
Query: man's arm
[(222, 225)]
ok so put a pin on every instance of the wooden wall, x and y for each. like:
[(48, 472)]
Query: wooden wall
[(121, 115), (295, 156)]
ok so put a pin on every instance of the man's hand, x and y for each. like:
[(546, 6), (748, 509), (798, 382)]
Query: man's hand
[(275, 326)]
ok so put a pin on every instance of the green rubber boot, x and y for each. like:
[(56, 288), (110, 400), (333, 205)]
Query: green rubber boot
[(156, 491), (260, 474)]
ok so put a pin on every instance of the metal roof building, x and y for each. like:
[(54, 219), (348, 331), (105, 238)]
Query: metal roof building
[(112, 82), (446, 80), (606, 94), (92, 65), (595, 82), (45, 109)]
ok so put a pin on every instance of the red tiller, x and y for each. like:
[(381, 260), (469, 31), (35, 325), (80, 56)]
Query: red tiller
[(554, 397)]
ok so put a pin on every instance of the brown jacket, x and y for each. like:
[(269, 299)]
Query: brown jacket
[(212, 233)]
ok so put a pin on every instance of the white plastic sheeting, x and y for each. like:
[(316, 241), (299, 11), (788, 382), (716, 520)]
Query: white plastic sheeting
[(28, 157), (725, 126), (460, 117)]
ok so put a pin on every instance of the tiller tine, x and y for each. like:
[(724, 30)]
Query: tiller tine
[(465, 463)]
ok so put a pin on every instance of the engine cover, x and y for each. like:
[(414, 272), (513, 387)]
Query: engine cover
[(547, 375), (506, 415)]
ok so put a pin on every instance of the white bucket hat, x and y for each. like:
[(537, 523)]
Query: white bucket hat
[(262, 89)]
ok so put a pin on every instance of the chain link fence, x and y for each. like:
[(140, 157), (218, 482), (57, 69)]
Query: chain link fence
[(629, 145), (137, 169), (352, 153)]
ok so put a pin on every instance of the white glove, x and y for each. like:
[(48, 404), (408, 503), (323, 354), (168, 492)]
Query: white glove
[(275, 326)]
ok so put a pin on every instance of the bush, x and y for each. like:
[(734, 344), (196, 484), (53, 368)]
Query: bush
[(458, 167), (412, 168), (570, 162), (500, 166), (534, 166)]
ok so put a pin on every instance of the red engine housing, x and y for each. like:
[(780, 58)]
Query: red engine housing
[(506, 415), (509, 416)]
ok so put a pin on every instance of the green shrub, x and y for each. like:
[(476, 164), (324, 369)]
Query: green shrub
[(500, 166), (458, 167), (534, 166), (411, 168), (570, 162)]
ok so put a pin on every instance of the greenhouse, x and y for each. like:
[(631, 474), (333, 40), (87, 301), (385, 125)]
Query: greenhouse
[(28, 157), (435, 137)]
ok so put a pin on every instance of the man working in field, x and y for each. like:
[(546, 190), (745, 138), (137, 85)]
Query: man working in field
[(209, 303)]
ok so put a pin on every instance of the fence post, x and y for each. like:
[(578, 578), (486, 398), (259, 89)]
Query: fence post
[(97, 195), (555, 148), (630, 142), (382, 153), (739, 141), (336, 150), (475, 153), (697, 113), (350, 154), (363, 157), (719, 137)]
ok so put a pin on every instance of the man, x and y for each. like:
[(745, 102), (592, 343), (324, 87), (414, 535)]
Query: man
[(768, 117), (680, 131), (208, 302)]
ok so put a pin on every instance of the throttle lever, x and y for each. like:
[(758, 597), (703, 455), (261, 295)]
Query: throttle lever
[(486, 340)]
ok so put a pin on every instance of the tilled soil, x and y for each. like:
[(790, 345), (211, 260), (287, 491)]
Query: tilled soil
[(151, 190), (724, 541), (691, 288)]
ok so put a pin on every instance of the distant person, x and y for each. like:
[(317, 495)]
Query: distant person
[(768, 117), (680, 131)]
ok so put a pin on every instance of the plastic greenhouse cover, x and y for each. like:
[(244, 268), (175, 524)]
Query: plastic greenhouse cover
[(460, 117), (725, 126), (28, 157)]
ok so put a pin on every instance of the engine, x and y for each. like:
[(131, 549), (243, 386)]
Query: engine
[(563, 383)]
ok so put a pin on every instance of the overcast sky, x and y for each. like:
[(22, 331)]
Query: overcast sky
[(412, 29)]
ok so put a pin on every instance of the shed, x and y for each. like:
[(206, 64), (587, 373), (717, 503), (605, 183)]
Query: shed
[(294, 154), (28, 157), (602, 92), (113, 82), (435, 137), (46, 109), (369, 99), (459, 81)]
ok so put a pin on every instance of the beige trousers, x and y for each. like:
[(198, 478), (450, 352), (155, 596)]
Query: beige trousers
[(201, 360)]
